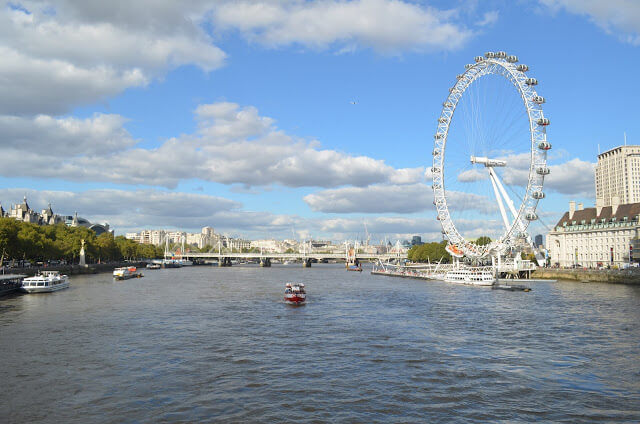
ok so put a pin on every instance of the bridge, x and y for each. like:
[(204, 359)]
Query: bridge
[(224, 258)]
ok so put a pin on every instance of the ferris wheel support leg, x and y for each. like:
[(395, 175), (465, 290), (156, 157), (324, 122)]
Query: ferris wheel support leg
[(507, 199), (499, 199)]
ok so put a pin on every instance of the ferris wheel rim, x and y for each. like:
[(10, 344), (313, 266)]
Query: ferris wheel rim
[(492, 64)]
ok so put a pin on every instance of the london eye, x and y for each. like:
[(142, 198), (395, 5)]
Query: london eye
[(489, 157)]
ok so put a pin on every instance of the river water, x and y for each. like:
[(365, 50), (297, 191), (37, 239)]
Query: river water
[(208, 344)]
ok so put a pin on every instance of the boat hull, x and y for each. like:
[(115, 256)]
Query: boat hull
[(48, 289), (295, 299)]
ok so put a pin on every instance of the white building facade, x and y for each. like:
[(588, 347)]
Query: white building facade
[(618, 175), (596, 237)]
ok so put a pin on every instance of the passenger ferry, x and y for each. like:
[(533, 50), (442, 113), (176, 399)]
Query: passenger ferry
[(481, 276), (294, 293), (44, 282), (126, 273)]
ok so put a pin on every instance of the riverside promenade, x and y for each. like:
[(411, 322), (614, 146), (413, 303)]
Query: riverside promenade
[(615, 276)]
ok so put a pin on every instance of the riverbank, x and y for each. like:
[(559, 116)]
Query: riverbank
[(623, 276), (76, 269)]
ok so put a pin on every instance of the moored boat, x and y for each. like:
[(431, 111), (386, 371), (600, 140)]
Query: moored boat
[(475, 276), (294, 293), (153, 266), (126, 272), (45, 282)]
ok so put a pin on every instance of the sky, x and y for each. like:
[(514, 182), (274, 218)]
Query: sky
[(290, 118)]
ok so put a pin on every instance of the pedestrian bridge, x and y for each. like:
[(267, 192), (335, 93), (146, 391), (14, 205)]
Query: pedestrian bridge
[(306, 258)]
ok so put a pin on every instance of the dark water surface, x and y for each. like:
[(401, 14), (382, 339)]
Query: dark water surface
[(206, 344)]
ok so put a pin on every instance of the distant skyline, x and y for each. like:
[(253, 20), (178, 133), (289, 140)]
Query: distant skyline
[(269, 119)]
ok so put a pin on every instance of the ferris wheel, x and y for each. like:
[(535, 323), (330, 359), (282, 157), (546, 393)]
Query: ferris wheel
[(489, 162)]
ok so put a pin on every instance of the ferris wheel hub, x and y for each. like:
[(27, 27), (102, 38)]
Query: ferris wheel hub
[(483, 160)]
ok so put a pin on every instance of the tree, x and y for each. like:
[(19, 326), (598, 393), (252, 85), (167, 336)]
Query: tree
[(483, 241), (106, 247), (429, 252)]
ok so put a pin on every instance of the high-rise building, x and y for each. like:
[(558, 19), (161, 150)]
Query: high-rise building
[(538, 240), (618, 176)]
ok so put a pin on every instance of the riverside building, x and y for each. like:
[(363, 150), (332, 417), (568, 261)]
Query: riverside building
[(605, 235)]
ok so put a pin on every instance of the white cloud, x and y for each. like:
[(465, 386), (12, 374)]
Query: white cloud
[(489, 18), (472, 175), (145, 207), (575, 178), (56, 55), (64, 137), (233, 145), (620, 17), (390, 199), (153, 209), (385, 25)]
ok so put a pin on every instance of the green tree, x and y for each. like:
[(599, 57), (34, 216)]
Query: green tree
[(9, 228), (482, 241), (429, 252)]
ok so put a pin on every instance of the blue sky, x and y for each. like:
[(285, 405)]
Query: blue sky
[(280, 118)]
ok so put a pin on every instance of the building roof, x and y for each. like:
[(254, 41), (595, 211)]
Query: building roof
[(630, 210)]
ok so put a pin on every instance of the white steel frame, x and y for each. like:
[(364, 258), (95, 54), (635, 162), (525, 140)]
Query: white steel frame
[(497, 64)]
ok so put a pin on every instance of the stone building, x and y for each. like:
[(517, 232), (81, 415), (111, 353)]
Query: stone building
[(596, 237)]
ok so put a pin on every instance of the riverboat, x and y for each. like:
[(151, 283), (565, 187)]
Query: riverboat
[(10, 283), (295, 294), (481, 276), (153, 266), (126, 272), (45, 282)]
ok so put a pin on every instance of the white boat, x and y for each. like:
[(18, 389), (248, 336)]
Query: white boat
[(481, 276), (44, 282), (126, 272)]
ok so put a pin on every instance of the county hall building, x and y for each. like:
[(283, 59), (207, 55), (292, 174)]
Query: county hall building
[(605, 235)]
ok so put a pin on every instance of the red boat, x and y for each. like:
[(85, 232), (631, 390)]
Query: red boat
[(294, 293)]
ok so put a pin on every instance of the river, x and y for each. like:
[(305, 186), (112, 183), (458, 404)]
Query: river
[(208, 344)]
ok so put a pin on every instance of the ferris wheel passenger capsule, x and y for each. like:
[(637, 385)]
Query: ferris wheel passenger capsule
[(459, 76), (447, 104), (512, 59), (522, 67), (531, 216), (543, 122), (438, 136), (538, 99), (489, 55), (434, 169), (544, 145), (443, 120), (531, 81), (478, 59), (537, 195), (501, 55), (543, 170), (468, 66), (435, 152)]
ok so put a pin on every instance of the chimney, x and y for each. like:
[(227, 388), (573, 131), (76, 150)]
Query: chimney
[(572, 208), (599, 206), (580, 206), (615, 202)]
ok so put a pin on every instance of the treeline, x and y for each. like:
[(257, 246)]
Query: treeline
[(435, 251), (22, 240), (429, 252)]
